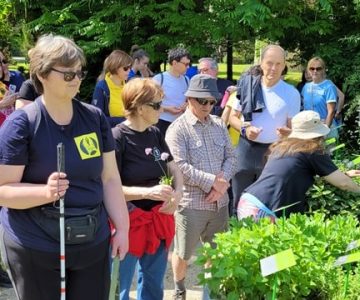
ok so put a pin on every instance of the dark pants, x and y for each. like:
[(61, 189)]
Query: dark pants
[(36, 274), (250, 162), (163, 126)]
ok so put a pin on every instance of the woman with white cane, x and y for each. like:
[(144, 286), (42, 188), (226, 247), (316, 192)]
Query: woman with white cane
[(30, 186)]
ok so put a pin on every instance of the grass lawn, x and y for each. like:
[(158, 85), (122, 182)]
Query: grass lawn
[(237, 70), (291, 77)]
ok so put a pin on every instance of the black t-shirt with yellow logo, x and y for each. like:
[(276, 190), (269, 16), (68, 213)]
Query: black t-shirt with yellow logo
[(86, 138)]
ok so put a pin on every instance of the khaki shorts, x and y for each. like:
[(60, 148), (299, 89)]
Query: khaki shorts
[(192, 226)]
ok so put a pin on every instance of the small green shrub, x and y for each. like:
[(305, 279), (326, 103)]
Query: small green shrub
[(330, 200), (315, 240)]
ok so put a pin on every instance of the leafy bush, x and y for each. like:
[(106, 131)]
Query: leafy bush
[(330, 200), (315, 240)]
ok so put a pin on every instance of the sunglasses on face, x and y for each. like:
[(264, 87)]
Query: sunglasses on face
[(127, 68), (155, 105), (316, 69), (4, 61), (204, 101), (69, 75)]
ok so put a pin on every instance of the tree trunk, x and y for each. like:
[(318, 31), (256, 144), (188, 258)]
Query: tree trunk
[(229, 61)]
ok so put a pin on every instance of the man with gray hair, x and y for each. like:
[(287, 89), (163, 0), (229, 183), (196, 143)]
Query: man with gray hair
[(208, 65), (264, 122), (201, 147)]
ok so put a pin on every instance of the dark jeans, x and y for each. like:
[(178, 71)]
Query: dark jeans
[(250, 162), (36, 274)]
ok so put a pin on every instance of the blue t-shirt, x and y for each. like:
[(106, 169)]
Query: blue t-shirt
[(86, 138), (174, 90), (317, 95)]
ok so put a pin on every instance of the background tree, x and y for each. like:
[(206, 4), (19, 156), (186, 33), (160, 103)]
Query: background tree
[(328, 28)]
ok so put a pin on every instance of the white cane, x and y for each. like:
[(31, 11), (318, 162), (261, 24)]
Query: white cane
[(61, 168)]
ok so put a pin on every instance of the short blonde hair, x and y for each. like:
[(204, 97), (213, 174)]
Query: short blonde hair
[(319, 60), (115, 60), (140, 91), (51, 50)]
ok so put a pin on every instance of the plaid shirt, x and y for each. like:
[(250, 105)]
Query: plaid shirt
[(201, 150)]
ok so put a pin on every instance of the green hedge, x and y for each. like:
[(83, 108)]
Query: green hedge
[(316, 242)]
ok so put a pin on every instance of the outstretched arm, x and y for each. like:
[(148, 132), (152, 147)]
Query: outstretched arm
[(340, 180)]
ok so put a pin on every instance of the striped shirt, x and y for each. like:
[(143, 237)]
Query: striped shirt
[(201, 150)]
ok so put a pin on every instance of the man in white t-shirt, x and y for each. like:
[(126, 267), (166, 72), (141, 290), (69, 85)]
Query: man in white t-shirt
[(281, 102), (174, 84)]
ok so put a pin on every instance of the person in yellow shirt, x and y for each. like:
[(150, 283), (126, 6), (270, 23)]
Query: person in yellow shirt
[(234, 134), (107, 93)]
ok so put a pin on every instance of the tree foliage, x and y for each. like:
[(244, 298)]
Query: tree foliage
[(328, 28)]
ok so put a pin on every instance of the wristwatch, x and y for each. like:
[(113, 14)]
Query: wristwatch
[(243, 128)]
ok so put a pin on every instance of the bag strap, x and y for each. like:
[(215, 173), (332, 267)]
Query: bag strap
[(186, 80), (34, 116), (161, 79), (53, 212)]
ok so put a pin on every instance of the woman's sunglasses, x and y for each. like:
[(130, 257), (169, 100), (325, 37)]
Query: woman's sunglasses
[(127, 68), (155, 105), (318, 69), (69, 75), (204, 101)]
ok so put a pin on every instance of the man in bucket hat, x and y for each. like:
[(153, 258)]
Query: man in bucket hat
[(290, 170), (201, 147)]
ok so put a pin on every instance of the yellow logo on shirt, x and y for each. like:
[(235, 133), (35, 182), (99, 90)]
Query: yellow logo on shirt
[(88, 145)]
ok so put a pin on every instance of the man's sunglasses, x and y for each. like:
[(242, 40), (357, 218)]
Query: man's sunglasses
[(4, 61), (155, 105), (204, 101), (317, 69), (69, 75)]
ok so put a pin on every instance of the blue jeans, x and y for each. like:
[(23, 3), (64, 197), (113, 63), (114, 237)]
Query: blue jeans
[(150, 273)]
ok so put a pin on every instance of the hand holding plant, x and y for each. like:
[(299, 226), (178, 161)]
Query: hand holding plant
[(161, 192), (164, 191), (166, 178), (353, 173)]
